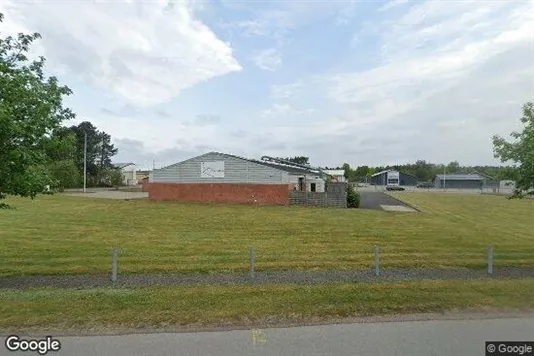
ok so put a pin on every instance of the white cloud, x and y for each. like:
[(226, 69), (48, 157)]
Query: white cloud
[(268, 59), (392, 4), (452, 75), (409, 77), (346, 13), (284, 110), (276, 19), (286, 91), (144, 52)]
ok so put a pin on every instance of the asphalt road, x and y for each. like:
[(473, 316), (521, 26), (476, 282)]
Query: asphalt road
[(413, 338)]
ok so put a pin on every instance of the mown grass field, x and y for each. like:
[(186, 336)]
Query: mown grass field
[(73, 235), (164, 307)]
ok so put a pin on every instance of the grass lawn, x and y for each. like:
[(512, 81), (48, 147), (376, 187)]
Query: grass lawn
[(249, 305), (65, 234)]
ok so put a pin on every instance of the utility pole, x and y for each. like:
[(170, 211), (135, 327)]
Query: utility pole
[(153, 165), (85, 163)]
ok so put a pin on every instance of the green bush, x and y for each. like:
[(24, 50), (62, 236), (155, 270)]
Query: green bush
[(64, 174), (353, 197), (116, 178)]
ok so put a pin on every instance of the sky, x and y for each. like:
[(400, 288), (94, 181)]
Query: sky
[(362, 82)]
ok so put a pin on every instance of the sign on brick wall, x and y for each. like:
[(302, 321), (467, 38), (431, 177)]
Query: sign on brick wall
[(213, 169)]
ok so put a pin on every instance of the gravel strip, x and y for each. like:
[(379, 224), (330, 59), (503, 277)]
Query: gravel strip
[(278, 277)]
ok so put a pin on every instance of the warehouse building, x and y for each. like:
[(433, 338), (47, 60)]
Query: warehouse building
[(338, 175), (463, 181), (393, 177), (219, 177), (128, 171)]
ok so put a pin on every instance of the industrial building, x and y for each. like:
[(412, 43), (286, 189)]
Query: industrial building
[(393, 177), (220, 177), (338, 175), (128, 171), (464, 181)]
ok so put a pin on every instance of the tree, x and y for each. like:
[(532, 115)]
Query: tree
[(353, 197), (453, 167), (520, 152), (347, 169), (30, 108), (64, 174), (60, 149), (115, 178), (99, 152), (303, 160)]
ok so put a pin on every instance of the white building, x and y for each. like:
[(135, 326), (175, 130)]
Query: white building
[(338, 175), (129, 172)]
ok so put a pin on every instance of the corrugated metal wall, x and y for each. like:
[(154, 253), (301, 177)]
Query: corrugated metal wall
[(380, 179), (408, 180), (235, 171), (458, 184)]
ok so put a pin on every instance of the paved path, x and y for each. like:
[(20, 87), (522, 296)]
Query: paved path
[(414, 338), (374, 200), (278, 277)]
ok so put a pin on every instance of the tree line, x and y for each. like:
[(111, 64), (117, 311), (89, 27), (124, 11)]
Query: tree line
[(424, 171), (64, 148)]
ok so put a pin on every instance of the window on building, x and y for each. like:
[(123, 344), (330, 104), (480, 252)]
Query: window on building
[(393, 181), (313, 187)]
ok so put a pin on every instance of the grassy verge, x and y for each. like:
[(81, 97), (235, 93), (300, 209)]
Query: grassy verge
[(68, 235), (248, 305)]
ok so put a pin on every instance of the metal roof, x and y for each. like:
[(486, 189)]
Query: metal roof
[(334, 172), (122, 165), (281, 167), (379, 173), (470, 176)]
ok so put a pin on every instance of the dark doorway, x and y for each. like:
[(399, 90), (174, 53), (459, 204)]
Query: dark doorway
[(301, 184)]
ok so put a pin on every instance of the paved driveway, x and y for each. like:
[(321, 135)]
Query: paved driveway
[(374, 200)]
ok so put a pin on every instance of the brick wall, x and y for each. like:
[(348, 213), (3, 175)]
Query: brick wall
[(144, 185), (264, 194), (334, 197)]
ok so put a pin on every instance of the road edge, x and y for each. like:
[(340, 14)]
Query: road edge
[(457, 315)]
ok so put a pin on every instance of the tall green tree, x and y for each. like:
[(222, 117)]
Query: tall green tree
[(100, 150), (31, 107), (453, 167), (60, 148), (347, 169), (520, 151)]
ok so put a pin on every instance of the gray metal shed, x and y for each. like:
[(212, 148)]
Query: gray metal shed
[(462, 181), (380, 178)]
